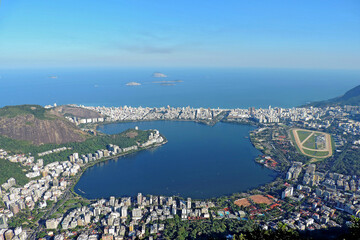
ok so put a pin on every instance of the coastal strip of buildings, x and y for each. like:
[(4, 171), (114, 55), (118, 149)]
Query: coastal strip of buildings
[(307, 117), (51, 180)]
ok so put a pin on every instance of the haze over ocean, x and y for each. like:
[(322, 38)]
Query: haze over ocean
[(201, 87)]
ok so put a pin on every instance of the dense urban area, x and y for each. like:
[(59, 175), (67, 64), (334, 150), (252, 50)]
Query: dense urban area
[(313, 193)]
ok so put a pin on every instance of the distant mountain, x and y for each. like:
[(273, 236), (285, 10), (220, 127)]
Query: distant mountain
[(351, 97), (38, 125)]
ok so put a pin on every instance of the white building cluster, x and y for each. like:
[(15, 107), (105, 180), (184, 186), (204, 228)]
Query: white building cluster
[(78, 121), (50, 186), (163, 113), (18, 158), (144, 213), (54, 178), (322, 195), (310, 116)]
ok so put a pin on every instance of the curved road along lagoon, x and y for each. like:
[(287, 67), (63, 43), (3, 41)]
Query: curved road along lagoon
[(199, 161)]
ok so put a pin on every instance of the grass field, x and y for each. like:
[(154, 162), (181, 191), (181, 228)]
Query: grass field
[(316, 153), (303, 135), (310, 143)]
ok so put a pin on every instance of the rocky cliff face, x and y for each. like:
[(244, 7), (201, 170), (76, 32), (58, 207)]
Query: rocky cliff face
[(54, 128)]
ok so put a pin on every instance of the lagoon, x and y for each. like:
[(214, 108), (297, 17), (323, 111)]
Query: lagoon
[(199, 161)]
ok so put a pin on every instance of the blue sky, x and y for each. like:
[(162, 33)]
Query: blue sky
[(165, 33)]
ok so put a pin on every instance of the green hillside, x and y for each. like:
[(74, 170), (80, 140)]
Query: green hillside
[(90, 145), (13, 111), (9, 169), (351, 97)]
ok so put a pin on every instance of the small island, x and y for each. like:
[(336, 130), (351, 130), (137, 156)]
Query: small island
[(133, 84), (159, 75), (170, 81)]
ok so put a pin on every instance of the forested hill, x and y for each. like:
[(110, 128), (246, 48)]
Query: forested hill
[(38, 125), (351, 97)]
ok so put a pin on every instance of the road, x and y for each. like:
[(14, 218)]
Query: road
[(50, 212)]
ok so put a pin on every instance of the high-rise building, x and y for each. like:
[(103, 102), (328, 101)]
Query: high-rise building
[(124, 212), (12, 182), (9, 234), (106, 153), (51, 224), (3, 223), (2, 232), (189, 203), (161, 200), (288, 192), (14, 208), (18, 230), (55, 182), (170, 201), (136, 213), (139, 198), (112, 201), (131, 228), (97, 211)]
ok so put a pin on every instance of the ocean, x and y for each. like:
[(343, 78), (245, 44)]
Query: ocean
[(224, 88)]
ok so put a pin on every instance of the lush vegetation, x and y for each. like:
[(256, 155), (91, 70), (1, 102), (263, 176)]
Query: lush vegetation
[(248, 230), (220, 229), (88, 146), (91, 145), (9, 169), (204, 229), (347, 162), (282, 233), (351, 97), (97, 142), (13, 111), (20, 146), (70, 204)]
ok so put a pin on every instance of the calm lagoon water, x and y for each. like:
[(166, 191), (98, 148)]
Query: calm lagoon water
[(198, 161)]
